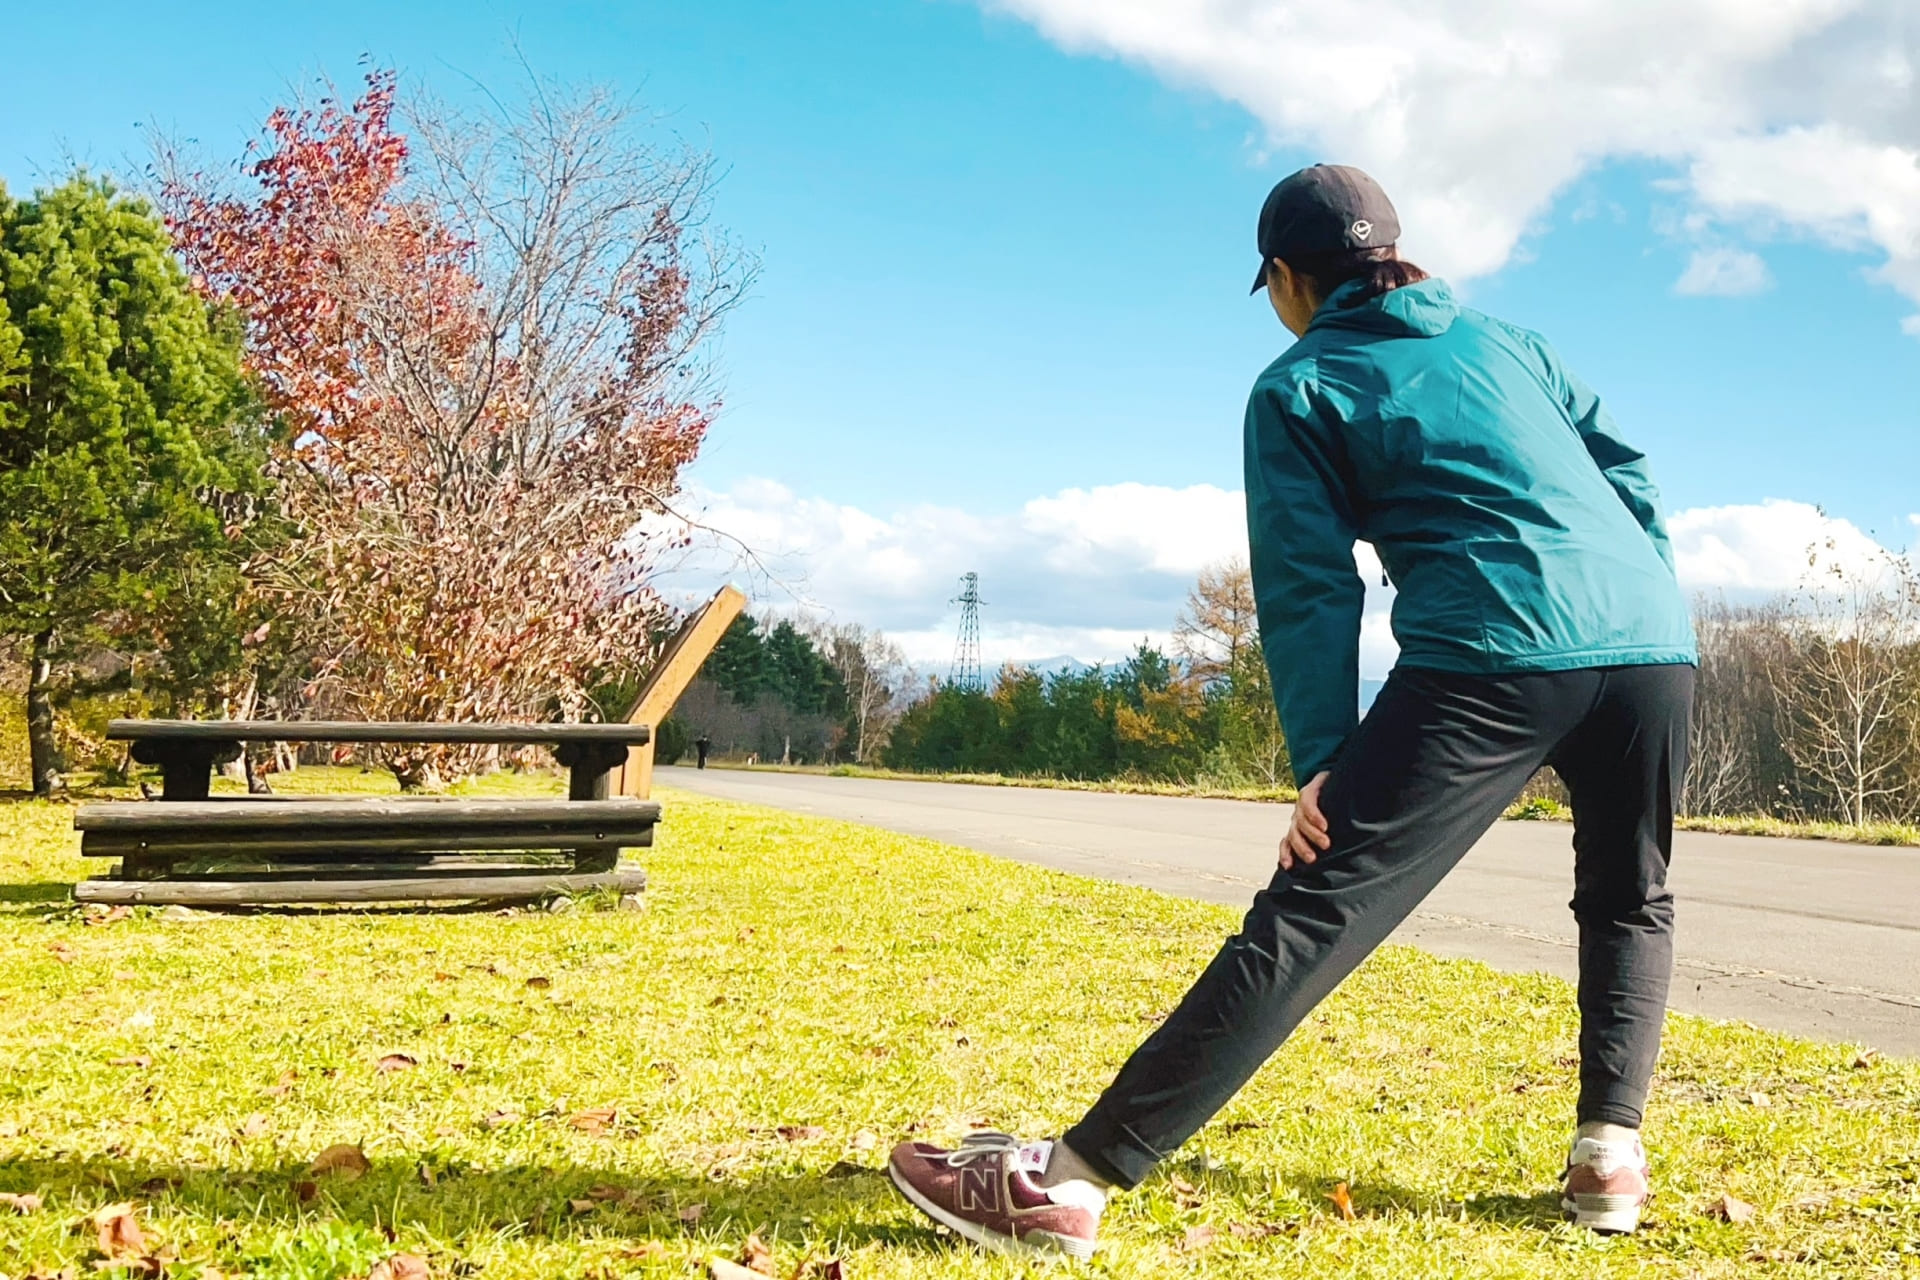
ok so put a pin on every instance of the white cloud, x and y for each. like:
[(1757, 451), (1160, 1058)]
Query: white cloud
[(1764, 548), (1794, 115), (1911, 326), (1089, 573), (1723, 273)]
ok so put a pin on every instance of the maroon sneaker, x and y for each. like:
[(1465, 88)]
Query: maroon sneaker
[(1608, 1183), (985, 1190)]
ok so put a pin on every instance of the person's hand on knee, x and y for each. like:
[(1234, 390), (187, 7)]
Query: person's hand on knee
[(1307, 838)]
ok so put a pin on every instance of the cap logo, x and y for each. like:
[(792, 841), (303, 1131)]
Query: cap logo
[(1362, 229)]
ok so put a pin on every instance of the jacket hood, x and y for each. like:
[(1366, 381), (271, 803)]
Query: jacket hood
[(1422, 310)]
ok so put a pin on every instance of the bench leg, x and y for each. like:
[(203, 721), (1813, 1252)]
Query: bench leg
[(588, 766), (186, 768)]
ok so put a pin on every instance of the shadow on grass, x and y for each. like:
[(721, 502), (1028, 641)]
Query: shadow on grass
[(1370, 1198), (46, 891), (460, 1202)]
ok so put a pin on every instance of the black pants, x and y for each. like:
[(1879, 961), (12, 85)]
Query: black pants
[(1430, 768)]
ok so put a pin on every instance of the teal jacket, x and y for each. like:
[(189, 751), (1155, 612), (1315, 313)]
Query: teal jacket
[(1522, 533)]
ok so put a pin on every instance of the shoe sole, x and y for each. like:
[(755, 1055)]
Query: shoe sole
[(1606, 1215), (1044, 1246)]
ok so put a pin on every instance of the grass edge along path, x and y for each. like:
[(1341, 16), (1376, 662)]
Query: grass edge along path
[(1899, 834), (599, 1094)]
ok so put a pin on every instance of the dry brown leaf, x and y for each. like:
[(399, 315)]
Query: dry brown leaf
[(1759, 1099), (540, 984), (114, 916), (9, 1128), (62, 951), (22, 1203), (865, 1140), (800, 1132), (398, 1062), (139, 1060), (401, 1266), (255, 1125), (756, 1257), (1198, 1238), (721, 1269), (306, 1191), (458, 1064), (1254, 1230), (594, 1119), (821, 1269), (283, 1084), (1185, 1194), (583, 1206), (692, 1213), (1730, 1209), (343, 1158), (124, 975), (119, 1235), (1343, 1201), (1866, 1060), (646, 1250)]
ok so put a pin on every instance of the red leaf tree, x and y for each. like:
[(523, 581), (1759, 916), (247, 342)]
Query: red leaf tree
[(488, 339)]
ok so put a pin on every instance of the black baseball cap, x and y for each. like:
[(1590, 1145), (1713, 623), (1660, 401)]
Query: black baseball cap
[(1324, 209)]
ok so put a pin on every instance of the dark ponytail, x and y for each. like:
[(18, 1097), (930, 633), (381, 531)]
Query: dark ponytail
[(1379, 271)]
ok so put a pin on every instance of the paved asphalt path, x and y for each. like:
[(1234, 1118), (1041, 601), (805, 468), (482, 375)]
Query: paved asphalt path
[(1808, 937)]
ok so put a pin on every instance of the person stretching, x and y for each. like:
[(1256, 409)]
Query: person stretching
[(1539, 623)]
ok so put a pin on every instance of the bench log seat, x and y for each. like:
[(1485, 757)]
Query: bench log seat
[(191, 848)]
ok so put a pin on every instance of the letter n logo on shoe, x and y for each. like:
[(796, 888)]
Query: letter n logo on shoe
[(979, 1190)]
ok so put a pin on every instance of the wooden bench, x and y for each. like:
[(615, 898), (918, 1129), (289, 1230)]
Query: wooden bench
[(189, 847)]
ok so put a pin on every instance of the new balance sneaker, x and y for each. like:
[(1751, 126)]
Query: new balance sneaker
[(985, 1189), (1608, 1183)]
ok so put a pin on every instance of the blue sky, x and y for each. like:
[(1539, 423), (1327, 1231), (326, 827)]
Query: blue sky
[(1004, 254)]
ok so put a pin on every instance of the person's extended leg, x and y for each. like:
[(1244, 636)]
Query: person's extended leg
[(1624, 767), (1432, 766)]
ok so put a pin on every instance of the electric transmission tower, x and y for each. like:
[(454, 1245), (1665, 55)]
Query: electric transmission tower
[(966, 649)]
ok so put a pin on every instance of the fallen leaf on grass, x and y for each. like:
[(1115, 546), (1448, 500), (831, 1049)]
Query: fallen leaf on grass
[(9, 1128), (118, 1234), (1254, 1230), (442, 976), (692, 1213), (343, 1158), (62, 951), (865, 1140), (1730, 1209), (539, 984), (1198, 1238), (1343, 1201), (594, 1119), (821, 1269), (645, 1251), (283, 1084), (401, 1266), (1759, 1100), (1866, 1060), (756, 1257), (582, 1206), (255, 1125), (306, 1191), (721, 1269), (500, 1119), (131, 1060), (1185, 1194), (398, 1062), (124, 975), (26, 1203), (800, 1132)]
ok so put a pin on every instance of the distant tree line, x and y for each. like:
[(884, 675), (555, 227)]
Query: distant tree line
[(1807, 708), (1204, 713), (781, 690)]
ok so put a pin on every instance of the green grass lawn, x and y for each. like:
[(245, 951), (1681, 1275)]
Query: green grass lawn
[(605, 1093)]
